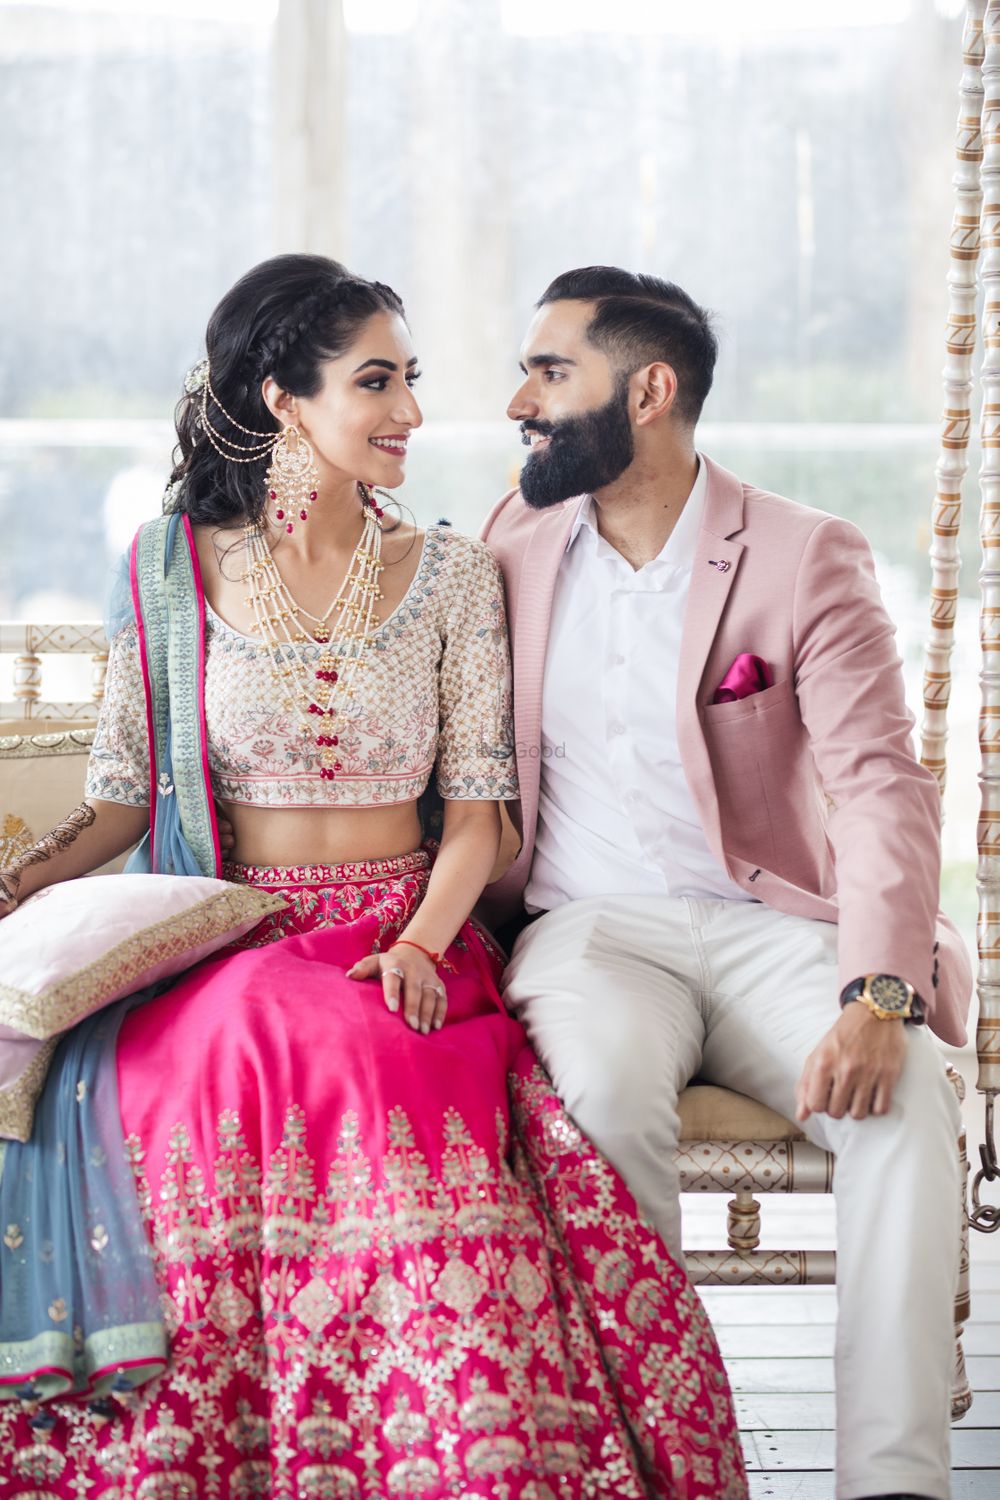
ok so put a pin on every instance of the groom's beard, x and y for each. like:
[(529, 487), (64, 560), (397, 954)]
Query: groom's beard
[(584, 454)]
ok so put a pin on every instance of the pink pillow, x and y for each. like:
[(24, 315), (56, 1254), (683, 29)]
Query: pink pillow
[(73, 948)]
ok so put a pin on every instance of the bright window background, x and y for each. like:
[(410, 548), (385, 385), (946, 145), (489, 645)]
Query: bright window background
[(796, 178)]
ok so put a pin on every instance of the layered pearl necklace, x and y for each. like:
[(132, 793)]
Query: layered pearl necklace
[(315, 695)]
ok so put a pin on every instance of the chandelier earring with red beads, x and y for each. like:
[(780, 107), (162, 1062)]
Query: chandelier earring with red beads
[(291, 479)]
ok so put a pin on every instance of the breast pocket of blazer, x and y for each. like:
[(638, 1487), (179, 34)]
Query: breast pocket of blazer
[(754, 706), (749, 743)]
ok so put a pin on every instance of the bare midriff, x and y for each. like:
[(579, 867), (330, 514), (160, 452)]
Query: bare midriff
[(320, 835)]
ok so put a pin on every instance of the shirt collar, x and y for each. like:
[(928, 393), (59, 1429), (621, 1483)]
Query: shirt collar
[(679, 548)]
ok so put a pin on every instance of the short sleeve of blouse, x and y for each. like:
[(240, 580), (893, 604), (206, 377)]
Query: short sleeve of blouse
[(118, 769), (475, 752)]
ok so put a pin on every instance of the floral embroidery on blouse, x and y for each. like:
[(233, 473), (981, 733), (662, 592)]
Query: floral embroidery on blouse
[(435, 694)]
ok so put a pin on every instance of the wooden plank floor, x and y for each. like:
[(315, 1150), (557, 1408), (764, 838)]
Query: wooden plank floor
[(778, 1347)]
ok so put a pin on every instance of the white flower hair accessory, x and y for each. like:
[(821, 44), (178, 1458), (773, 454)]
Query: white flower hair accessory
[(196, 378)]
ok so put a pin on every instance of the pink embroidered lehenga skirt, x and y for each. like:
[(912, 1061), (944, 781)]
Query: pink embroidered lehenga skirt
[(391, 1265)]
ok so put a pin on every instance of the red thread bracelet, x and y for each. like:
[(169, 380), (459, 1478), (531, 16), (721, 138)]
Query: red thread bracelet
[(435, 958)]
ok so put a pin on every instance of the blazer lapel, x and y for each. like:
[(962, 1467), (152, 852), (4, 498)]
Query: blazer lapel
[(533, 612), (716, 564)]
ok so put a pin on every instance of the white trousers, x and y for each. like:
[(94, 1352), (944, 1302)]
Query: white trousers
[(627, 998)]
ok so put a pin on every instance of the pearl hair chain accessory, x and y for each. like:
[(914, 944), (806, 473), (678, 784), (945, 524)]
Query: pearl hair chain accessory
[(315, 693)]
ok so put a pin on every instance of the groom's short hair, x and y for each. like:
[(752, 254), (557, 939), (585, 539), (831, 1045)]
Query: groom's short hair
[(640, 319)]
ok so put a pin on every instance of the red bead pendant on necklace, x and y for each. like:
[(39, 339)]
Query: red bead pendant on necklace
[(303, 515), (279, 513), (289, 528), (274, 496), (312, 494)]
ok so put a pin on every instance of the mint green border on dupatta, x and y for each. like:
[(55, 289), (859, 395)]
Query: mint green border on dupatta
[(170, 610), (149, 599), (139, 1348)]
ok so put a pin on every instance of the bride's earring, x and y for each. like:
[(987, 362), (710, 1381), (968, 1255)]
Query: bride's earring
[(291, 478)]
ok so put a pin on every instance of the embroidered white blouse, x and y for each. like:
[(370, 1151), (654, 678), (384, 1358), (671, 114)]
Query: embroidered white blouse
[(435, 694)]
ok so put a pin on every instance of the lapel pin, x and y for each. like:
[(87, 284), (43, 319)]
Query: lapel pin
[(722, 566)]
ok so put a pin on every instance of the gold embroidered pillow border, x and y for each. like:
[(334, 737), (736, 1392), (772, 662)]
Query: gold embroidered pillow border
[(121, 969), (17, 1101)]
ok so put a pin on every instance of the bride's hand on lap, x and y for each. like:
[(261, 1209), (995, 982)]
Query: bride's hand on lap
[(410, 984), (408, 971)]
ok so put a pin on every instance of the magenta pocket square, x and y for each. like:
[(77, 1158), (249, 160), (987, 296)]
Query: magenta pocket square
[(747, 675)]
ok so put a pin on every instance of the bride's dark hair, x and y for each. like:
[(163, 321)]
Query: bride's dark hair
[(283, 319)]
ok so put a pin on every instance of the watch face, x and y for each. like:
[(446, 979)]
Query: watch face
[(889, 993)]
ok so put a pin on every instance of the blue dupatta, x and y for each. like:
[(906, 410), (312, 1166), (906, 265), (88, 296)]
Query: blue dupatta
[(79, 1304), (168, 604)]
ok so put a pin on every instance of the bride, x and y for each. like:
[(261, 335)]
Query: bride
[(387, 1261)]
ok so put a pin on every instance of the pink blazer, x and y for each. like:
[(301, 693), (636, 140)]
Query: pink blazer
[(808, 791)]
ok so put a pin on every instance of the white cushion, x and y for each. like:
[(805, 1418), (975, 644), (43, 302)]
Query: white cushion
[(70, 949)]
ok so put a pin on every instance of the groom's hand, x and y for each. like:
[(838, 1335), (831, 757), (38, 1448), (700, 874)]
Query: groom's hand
[(854, 1069)]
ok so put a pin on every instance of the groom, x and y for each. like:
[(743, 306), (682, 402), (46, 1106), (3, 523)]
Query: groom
[(730, 857)]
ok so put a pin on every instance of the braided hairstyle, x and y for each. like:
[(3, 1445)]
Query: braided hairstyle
[(284, 318)]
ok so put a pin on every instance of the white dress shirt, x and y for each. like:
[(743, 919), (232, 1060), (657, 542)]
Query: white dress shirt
[(615, 815)]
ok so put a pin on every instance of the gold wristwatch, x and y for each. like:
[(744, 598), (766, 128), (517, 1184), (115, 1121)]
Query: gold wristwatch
[(888, 997)]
